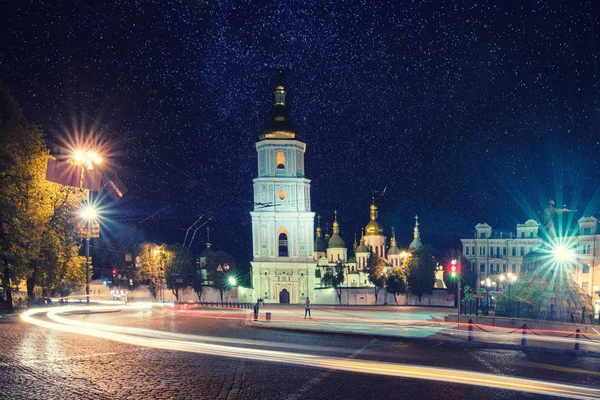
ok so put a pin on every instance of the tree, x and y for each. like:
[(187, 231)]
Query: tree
[(24, 194), (396, 282), (376, 271), (219, 279), (334, 277), (421, 272), (154, 258), (177, 268)]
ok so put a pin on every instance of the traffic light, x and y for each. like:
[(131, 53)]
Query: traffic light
[(453, 269), (114, 272)]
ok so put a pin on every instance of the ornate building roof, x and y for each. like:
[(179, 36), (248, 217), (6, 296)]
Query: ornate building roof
[(336, 241), (373, 228), (416, 243), (320, 243), (394, 250), (279, 124), (362, 248)]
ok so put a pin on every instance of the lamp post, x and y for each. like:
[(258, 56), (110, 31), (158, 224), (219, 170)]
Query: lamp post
[(487, 284), (89, 214), (510, 278)]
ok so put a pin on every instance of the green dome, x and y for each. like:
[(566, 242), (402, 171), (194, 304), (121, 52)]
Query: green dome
[(320, 245), (394, 250), (336, 242)]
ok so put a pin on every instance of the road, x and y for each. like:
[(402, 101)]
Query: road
[(42, 363)]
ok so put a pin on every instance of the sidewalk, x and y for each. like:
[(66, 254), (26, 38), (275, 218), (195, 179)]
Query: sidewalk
[(417, 324)]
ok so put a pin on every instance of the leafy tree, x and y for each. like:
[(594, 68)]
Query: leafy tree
[(421, 272), (334, 277), (177, 269), (154, 259), (216, 278), (376, 271), (25, 208), (396, 282)]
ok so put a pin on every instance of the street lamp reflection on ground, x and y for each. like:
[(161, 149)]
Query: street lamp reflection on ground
[(509, 279), (487, 284), (89, 213)]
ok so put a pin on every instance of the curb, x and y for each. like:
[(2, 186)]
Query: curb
[(457, 343)]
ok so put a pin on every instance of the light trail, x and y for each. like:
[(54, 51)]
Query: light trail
[(178, 342)]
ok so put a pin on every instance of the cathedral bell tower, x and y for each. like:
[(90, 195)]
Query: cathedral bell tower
[(282, 221)]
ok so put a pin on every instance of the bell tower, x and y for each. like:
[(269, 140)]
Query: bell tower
[(282, 220)]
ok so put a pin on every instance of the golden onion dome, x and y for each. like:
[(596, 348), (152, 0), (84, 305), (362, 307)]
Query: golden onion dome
[(373, 228)]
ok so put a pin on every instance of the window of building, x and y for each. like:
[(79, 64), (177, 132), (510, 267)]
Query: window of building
[(491, 252), (280, 159), (587, 231), (497, 251), (522, 251), (585, 286), (514, 251), (504, 269), (530, 250), (481, 235), (497, 268), (283, 243), (281, 194), (522, 234), (473, 250), (504, 251), (466, 251), (514, 268), (585, 269), (481, 267)]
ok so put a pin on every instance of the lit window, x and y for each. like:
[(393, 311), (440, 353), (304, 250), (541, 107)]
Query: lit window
[(585, 269), (280, 160), (281, 194)]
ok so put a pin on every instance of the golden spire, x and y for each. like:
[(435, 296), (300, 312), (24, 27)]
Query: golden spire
[(393, 241), (336, 225), (319, 231), (362, 236), (373, 228)]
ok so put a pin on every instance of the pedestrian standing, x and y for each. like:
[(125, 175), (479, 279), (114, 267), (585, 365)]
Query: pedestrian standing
[(307, 308), (256, 308)]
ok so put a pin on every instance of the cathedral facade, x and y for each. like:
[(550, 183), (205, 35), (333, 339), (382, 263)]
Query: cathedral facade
[(288, 260)]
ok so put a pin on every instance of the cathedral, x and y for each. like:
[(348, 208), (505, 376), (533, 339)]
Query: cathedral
[(288, 261)]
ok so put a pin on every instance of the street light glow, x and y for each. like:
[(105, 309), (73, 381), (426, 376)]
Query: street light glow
[(232, 281), (89, 212), (87, 158), (562, 253)]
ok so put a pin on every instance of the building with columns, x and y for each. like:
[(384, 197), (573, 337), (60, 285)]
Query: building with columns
[(494, 253)]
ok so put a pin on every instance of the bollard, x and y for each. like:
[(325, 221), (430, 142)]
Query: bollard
[(470, 334), (524, 338), (268, 316), (577, 337)]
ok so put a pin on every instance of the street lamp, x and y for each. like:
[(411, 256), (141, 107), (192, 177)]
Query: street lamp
[(487, 284), (89, 213), (509, 278)]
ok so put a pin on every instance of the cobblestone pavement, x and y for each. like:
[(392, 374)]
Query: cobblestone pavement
[(38, 363)]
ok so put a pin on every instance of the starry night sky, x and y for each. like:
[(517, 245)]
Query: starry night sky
[(467, 111)]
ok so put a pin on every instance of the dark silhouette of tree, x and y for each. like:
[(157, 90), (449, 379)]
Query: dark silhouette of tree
[(421, 272), (396, 282), (334, 277), (216, 278), (376, 271)]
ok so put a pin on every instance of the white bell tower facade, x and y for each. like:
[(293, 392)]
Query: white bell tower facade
[(283, 267)]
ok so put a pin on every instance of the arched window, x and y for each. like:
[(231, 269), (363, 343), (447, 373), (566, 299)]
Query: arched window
[(283, 243), (280, 159)]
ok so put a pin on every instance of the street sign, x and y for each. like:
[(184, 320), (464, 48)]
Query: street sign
[(128, 257), (226, 267), (220, 268)]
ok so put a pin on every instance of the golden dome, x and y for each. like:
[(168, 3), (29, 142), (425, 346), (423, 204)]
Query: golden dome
[(373, 228)]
